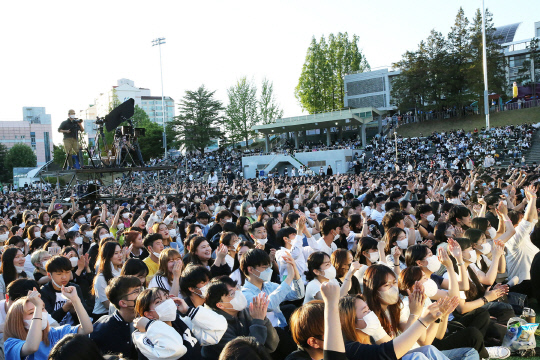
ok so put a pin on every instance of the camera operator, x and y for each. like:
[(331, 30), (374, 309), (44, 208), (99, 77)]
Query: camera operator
[(70, 128)]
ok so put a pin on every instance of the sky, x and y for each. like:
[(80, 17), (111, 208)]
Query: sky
[(63, 54)]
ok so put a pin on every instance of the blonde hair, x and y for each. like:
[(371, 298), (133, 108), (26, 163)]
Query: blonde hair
[(164, 257), (156, 226), (37, 256), (14, 326), (347, 317)]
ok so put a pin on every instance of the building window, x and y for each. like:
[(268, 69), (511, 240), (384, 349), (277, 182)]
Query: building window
[(33, 137), (34, 147), (517, 60)]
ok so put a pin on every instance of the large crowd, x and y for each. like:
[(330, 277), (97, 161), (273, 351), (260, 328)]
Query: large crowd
[(422, 263)]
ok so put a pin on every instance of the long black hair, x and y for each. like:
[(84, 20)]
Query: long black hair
[(7, 269), (106, 252)]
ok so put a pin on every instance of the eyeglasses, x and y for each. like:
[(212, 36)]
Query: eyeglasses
[(136, 291), (232, 292)]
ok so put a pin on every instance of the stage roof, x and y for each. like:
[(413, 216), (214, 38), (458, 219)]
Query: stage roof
[(325, 120)]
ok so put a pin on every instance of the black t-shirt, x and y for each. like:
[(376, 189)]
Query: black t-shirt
[(70, 125), (356, 351)]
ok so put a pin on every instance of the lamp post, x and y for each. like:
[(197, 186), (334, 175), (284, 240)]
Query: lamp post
[(484, 63), (159, 42)]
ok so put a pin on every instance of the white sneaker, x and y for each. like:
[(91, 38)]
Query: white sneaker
[(498, 352)]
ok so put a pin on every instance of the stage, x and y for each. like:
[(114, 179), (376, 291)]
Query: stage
[(99, 183)]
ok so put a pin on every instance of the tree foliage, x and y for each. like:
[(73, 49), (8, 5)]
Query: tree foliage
[(197, 125), (242, 111), (321, 83), (20, 155), (268, 108), (4, 176), (59, 154), (447, 72)]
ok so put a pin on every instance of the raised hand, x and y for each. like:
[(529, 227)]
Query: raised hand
[(444, 258), (330, 293), (447, 305), (140, 323), (177, 269), (70, 293), (416, 299), (259, 306), (222, 251), (35, 297)]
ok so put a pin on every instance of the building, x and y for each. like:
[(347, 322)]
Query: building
[(124, 90), (369, 89), (35, 130), (516, 51)]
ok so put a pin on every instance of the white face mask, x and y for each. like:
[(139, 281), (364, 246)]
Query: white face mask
[(172, 233), (239, 302), (166, 310), (49, 235), (43, 263), (74, 261), (19, 269), (78, 240), (433, 263), (37, 234), (472, 256), (4, 237), (430, 218), (278, 208), (251, 210), (60, 211), (390, 296), (330, 273), (156, 254), (262, 241), (372, 323), (82, 220), (403, 244), (89, 234), (125, 215), (44, 321), (103, 236), (430, 288), (237, 208), (492, 233), (374, 256), (265, 275), (271, 208), (486, 248)]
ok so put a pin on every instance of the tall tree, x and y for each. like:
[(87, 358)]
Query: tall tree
[(59, 154), (20, 155), (459, 48), (321, 83), (3, 171), (139, 116), (269, 110), (241, 112), (197, 125)]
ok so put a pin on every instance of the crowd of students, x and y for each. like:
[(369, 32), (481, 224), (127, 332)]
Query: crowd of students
[(421, 265)]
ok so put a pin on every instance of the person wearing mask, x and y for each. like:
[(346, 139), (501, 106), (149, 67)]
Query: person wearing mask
[(194, 284), (80, 219), (27, 331), (112, 333), (12, 268), (222, 217), (61, 309), (70, 128), (154, 245), (110, 265), (169, 328), (226, 299), (256, 266)]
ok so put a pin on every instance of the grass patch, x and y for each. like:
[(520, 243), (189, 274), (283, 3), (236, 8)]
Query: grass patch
[(514, 117)]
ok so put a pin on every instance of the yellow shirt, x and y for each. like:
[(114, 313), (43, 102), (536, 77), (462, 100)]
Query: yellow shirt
[(152, 268)]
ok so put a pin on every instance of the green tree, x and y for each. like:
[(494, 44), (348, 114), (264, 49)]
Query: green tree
[(59, 155), (529, 72), (151, 144), (139, 116), (269, 110), (241, 112), (3, 170), (460, 55), (20, 155), (321, 83), (197, 125)]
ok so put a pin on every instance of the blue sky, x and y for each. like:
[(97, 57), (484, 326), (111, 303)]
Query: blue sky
[(62, 54)]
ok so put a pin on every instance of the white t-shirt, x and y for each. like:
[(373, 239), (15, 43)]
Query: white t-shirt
[(377, 216), (312, 289), (521, 252), (58, 303), (101, 297)]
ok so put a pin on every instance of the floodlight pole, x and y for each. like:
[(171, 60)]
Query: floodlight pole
[(484, 62), (159, 42)]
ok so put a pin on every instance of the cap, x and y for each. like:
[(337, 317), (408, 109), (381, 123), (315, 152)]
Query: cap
[(125, 204), (57, 206)]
